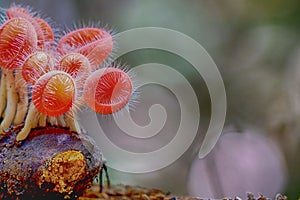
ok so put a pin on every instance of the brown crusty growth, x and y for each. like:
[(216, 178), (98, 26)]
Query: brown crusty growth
[(52, 163)]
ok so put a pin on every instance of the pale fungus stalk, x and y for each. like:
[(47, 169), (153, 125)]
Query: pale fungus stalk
[(53, 121), (61, 121), (29, 122), (42, 120), (3, 94), (12, 100), (22, 91), (72, 122)]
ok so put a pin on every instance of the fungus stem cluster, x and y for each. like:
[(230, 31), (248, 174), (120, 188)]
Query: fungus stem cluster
[(43, 84), (11, 100)]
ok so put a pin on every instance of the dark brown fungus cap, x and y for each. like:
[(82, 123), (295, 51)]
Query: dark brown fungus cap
[(52, 163)]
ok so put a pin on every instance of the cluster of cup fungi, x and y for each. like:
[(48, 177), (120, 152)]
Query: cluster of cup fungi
[(46, 80)]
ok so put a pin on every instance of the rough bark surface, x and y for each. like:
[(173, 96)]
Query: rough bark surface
[(27, 170)]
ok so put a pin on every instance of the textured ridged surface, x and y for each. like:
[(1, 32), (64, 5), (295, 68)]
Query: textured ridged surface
[(21, 166)]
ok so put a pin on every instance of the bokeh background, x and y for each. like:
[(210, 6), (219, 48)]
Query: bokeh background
[(256, 46)]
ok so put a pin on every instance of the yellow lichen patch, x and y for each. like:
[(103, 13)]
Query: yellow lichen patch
[(63, 171)]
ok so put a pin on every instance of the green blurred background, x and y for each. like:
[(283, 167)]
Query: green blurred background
[(256, 46)]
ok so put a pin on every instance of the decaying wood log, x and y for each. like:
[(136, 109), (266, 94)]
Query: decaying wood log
[(52, 163)]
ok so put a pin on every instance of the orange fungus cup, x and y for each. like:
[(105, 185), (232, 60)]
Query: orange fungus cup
[(36, 65), (45, 34), (54, 93), (17, 11), (18, 39), (94, 43), (107, 90), (77, 65)]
